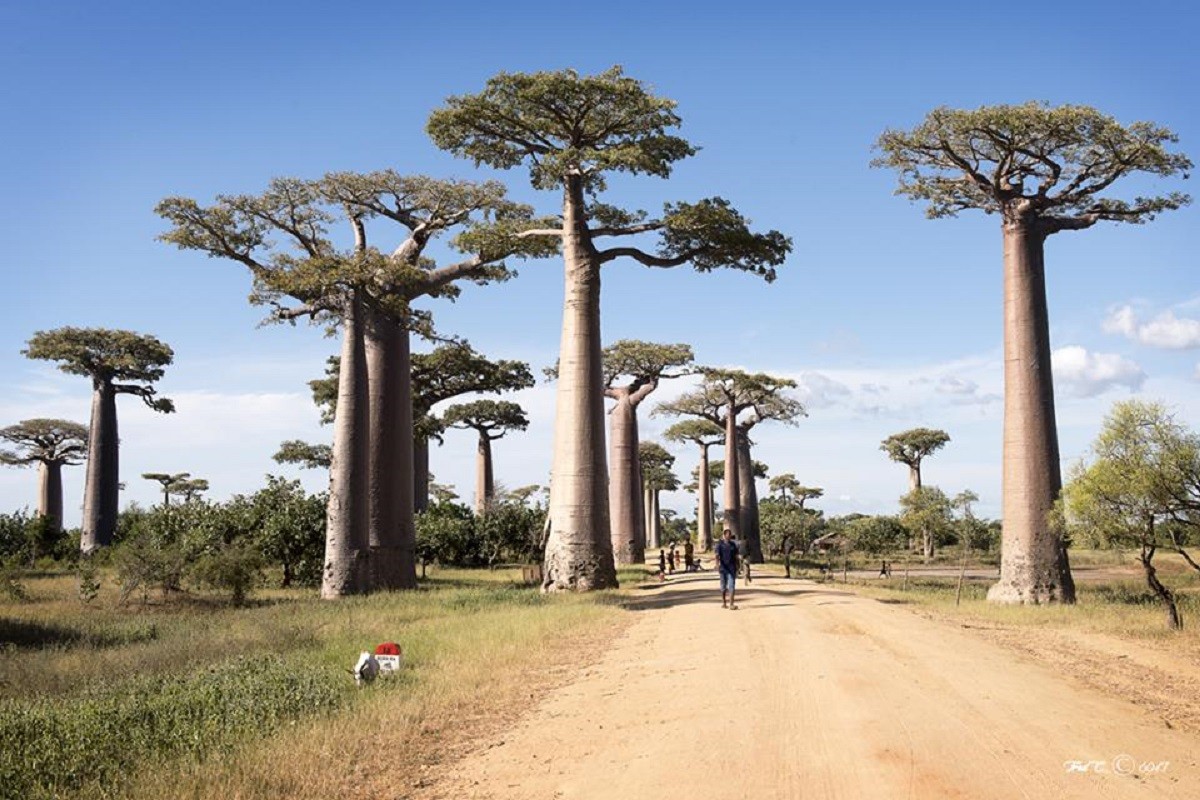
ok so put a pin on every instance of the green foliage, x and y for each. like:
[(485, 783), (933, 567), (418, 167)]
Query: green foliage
[(1054, 162), (45, 440), (131, 361), (571, 130), (491, 418), (761, 394), (88, 745), (560, 123), (289, 529), (876, 536), (698, 431), (656, 467), (145, 561), (1141, 487), (11, 586), (911, 446), (927, 511), (88, 577), (511, 531), (446, 535), (787, 527), (235, 568), (645, 362), (24, 538), (308, 456)]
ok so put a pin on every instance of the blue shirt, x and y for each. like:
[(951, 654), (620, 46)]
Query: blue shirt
[(727, 553)]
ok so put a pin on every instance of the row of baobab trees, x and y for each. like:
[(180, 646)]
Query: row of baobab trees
[(1041, 169)]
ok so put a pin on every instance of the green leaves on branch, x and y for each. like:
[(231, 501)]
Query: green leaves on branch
[(561, 123), (1051, 162), (491, 418), (712, 234), (645, 362), (44, 441), (128, 361), (911, 446)]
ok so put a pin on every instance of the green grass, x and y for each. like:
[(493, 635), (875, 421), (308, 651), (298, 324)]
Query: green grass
[(1121, 606), (98, 701)]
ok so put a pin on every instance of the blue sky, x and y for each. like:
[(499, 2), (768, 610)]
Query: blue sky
[(887, 319)]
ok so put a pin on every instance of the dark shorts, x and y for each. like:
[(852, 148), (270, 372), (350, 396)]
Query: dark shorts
[(727, 580)]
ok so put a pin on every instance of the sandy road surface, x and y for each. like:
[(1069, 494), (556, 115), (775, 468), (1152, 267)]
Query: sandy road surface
[(811, 692)]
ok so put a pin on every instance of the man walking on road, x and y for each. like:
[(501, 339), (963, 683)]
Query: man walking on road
[(727, 565)]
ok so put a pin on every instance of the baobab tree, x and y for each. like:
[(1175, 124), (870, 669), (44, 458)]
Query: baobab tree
[(1043, 170), (189, 489), (705, 433), (51, 444), (118, 362), (913, 446), (304, 454), (573, 131), (632, 370), (370, 536), (491, 420), (722, 397), (657, 477), (450, 370)]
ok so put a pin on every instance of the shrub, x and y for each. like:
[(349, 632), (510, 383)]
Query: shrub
[(236, 568)]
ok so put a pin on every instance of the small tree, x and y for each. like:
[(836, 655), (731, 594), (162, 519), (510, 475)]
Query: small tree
[(879, 536), (491, 420), (307, 456), (169, 482), (573, 131), (1042, 170), (51, 444), (1128, 496), (926, 512), (117, 362)]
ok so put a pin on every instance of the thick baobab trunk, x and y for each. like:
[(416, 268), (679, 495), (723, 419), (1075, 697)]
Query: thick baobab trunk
[(624, 485), (485, 484), (914, 477), (347, 514), (704, 495), (50, 495), (391, 533), (733, 514), (420, 474), (579, 547), (1033, 560), (102, 479), (748, 501)]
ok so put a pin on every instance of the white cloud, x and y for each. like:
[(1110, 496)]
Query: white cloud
[(1086, 374), (820, 391), (1165, 331)]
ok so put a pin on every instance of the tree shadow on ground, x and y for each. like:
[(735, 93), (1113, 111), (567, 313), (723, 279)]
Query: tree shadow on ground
[(685, 590), (29, 635)]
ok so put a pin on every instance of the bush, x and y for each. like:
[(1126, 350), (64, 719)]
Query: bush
[(144, 562), (236, 568)]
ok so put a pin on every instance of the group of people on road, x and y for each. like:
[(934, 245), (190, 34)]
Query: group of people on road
[(729, 561), (668, 559)]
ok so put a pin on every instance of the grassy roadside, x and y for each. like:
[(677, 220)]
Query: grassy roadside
[(193, 698)]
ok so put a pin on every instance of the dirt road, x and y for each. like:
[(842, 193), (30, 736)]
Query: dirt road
[(811, 692)]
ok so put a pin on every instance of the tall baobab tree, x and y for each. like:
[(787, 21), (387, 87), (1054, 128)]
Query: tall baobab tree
[(491, 420), (51, 444), (1043, 170), (118, 362), (572, 131), (370, 535), (642, 365), (657, 477), (913, 446), (721, 399), (705, 433)]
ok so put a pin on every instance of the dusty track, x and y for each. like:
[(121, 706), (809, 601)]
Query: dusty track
[(811, 692)]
